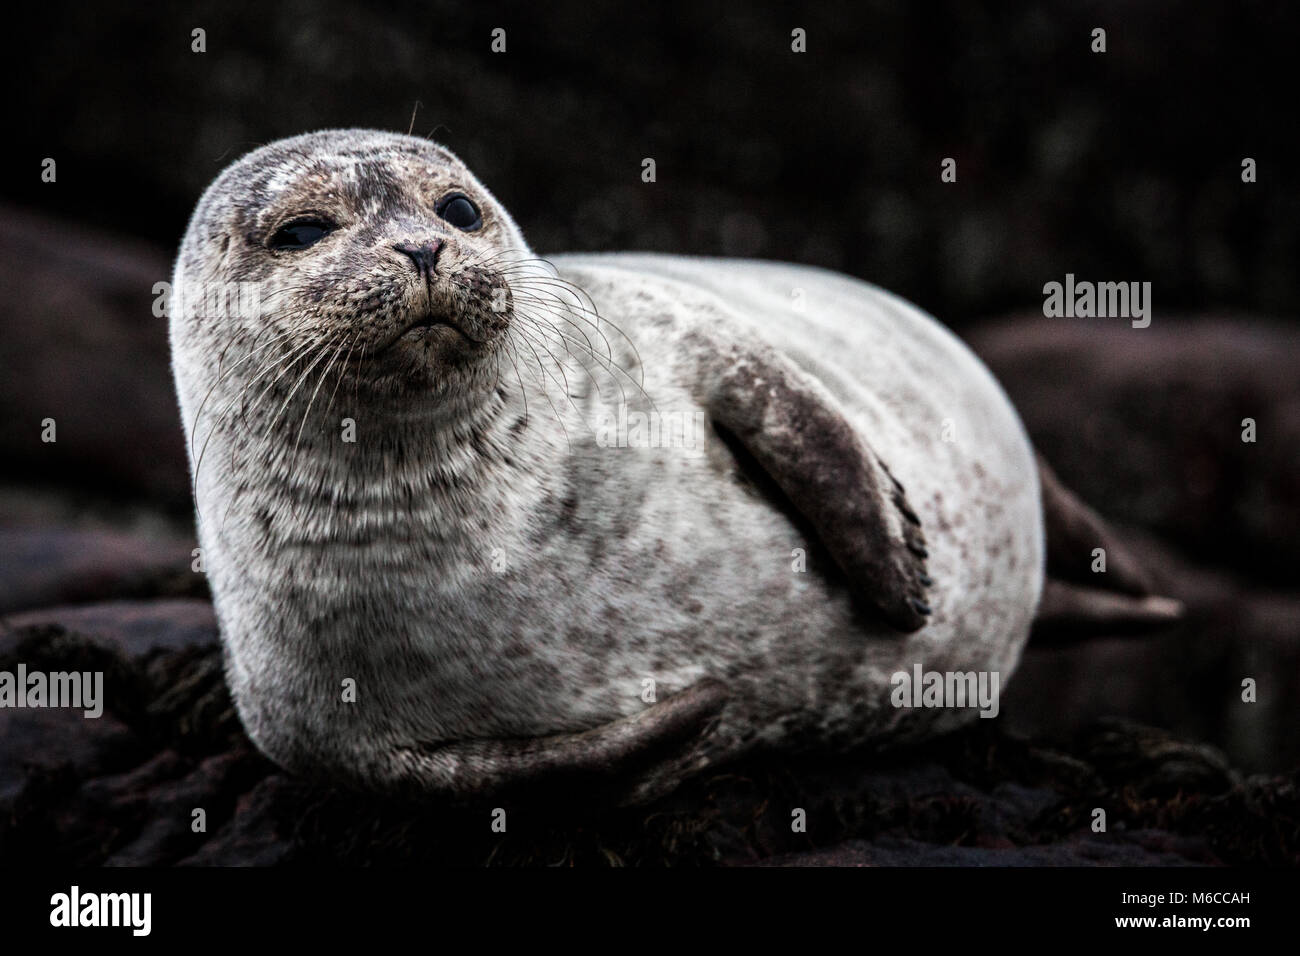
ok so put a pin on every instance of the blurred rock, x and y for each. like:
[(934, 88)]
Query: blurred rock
[(1146, 426), (158, 802), (52, 566), (36, 740), (1187, 679), (802, 148), (132, 627), (82, 347)]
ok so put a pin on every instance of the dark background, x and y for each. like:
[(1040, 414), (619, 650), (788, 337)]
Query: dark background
[(1122, 166)]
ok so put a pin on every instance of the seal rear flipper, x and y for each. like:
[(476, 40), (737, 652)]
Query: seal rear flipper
[(623, 746), (1070, 613), (795, 432), (1079, 602), (1074, 531)]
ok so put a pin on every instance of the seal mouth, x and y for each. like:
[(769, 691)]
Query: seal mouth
[(423, 323)]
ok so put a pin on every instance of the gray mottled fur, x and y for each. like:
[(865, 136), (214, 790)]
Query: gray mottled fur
[(498, 584)]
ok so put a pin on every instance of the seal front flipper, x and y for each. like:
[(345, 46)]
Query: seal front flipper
[(623, 746), (792, 427)]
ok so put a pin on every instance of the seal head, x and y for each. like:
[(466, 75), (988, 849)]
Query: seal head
[(387, 250)]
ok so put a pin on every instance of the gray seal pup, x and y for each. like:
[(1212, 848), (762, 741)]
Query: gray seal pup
[(472, 519)]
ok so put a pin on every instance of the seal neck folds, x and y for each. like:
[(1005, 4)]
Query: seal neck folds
[(436, 471)]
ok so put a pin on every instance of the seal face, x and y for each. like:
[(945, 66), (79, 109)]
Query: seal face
[(471, 518)]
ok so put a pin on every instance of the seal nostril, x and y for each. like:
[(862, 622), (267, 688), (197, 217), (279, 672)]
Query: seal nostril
[(424, 256)]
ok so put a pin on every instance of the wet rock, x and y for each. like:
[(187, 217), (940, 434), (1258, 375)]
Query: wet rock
[(35, 741), (1155, 763), (251, 838), (1188, 679), (52, 566), (165, 806), (132, 627)]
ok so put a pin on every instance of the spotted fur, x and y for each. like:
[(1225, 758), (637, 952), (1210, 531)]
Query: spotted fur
[(511, 595)]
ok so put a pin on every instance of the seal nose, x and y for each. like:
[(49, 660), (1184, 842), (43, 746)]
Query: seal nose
[(424, 256)]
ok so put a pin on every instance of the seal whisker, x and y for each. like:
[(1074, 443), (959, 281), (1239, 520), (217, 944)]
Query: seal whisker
[(513, 354), (545, 288), (592, 317), (352, 343), (320, 350), (526, 297), (614, 368), (567, 389), (313, 349), (288, 359), (560, 287), (220, 416), (307, 411), (323, 375), (541, 383), (538, 340), (526, 320), (222, 376)]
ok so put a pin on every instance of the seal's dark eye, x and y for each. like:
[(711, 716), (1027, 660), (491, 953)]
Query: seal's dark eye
[(460, 212), (301, 233)]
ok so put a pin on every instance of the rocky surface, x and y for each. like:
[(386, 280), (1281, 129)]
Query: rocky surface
[(123, 789)]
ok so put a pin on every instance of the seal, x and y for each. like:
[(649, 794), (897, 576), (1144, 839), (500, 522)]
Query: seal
[(473, 519)]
